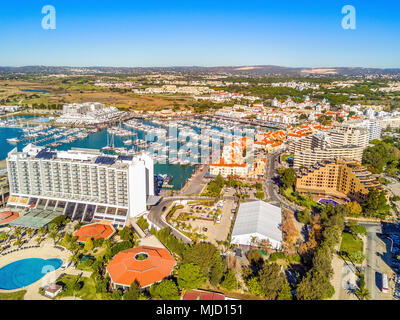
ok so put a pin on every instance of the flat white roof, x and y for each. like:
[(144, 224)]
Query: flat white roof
[(258, 217)]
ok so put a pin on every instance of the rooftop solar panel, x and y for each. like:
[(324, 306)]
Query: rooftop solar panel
[(125, 158), (105, 160), (46, 154)]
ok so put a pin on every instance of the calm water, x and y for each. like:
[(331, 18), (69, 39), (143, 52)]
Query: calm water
[(97, 141), (38, 91), (23, 273)]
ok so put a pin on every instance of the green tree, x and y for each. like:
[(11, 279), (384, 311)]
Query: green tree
[(89, 245), (362, 293), (314, 286), (285, 293), (260, 195), (133, 292), (229, 281), (3, 236), (190, 277), (73, 286), (288, 178), (304, 216), (117, 295), (142, 223), (17, 233), (126, 234), (101, 285), (254, 286), (29, 232), (166, 290), (322, 261), (75, 258), (272, 280), (53, 236), (208, 258)]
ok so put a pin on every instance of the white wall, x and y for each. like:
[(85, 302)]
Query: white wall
[(245, 240), (137, 189)]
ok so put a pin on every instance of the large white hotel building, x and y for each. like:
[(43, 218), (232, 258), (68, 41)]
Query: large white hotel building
[(83, 184)]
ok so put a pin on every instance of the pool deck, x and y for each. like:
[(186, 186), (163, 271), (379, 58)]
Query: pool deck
[(46, 251)]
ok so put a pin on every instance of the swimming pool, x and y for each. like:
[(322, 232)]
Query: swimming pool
[(328, 201), (24, 272)]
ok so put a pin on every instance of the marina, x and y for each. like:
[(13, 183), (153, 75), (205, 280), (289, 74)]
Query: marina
[(175, 146)]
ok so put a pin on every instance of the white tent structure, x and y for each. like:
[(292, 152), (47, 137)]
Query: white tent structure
[(258, 220)]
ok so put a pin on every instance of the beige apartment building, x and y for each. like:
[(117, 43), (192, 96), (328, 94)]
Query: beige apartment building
[(341, 179)]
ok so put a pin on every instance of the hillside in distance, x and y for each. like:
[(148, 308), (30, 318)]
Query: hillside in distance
[(263, 70)]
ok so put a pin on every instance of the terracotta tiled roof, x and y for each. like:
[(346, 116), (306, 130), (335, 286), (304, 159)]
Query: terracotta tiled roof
[(202, 295), (8, 217), (94, 231), (124, 268)]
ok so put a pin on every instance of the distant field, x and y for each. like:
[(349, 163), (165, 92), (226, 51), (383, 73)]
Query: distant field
[(74, 92)]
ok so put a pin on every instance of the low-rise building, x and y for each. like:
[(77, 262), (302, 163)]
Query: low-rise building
[(145, 265), (258, 222)]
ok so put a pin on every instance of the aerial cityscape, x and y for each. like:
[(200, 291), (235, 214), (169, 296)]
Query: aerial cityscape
[(140, 180)]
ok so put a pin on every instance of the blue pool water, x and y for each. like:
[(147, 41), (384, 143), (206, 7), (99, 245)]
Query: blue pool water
[(23, 273), (328, 201)]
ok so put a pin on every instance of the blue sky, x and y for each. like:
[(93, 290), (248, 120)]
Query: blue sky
[(302, 33)]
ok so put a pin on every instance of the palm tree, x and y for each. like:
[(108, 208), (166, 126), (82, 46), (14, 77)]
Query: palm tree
[(17, 233), (75, 259), (53, 235), (362, 293), (29, 232)]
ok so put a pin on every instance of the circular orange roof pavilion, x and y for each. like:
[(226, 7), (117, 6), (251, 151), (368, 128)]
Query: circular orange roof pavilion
[(145, 265), (94, 231)]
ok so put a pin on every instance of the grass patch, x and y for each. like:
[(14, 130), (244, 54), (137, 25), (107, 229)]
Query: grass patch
[(87, 288), (352, 248), (19, 295)]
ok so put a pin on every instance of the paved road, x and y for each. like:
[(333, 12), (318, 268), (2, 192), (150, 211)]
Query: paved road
[(271, 187), (375, 264), (197, 182), (155, 217)]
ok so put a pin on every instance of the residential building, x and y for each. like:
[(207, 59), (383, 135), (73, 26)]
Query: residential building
[(89, 113), (336, 144), (340, 179), (83, 184)]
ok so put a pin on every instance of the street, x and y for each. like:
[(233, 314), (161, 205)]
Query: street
[(375, 264)]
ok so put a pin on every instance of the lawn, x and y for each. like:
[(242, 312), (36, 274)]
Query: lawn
[(352, 246), (87, 291), (19, 295)]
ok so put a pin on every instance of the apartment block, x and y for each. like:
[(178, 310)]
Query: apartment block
[(341, 179), (335, 144), (84, 184)]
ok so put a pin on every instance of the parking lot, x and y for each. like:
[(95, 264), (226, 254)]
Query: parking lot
[(392, 232)]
